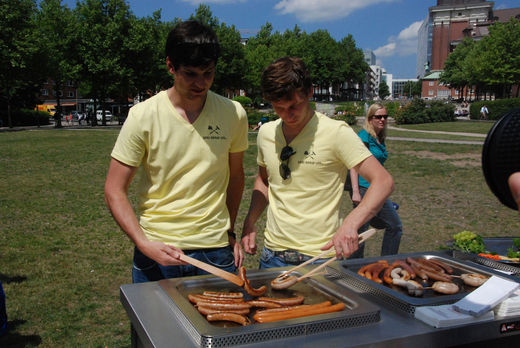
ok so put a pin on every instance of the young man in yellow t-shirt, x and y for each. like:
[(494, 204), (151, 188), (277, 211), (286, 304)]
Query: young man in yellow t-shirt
[(190, 144), (303, 160)]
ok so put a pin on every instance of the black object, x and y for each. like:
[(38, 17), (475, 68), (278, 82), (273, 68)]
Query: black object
[(501, 156)]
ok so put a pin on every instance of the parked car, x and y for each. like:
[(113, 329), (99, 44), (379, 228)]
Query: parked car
[(99, 115)]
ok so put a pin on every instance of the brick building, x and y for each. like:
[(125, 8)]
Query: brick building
[(445, 26)]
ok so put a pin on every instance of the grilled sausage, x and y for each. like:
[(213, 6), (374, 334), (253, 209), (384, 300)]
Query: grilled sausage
[(474, 279), (376, 270), (282, 309), (236, 318), (426, 264), (206, 311), (194, 298), (223, 294), (445, 266), (264, 304), (447, 288), (223, 305), (291, 301), (298, 313), (247, 287), (416, 267), (406, 267), (437, 276), (281, 283)]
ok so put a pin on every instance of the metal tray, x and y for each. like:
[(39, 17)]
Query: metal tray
[(358, 312), (346, 274), (510, 268)]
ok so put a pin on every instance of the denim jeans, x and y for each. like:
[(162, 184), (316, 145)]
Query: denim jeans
[(268, 259), (388, 219), (147, 270)]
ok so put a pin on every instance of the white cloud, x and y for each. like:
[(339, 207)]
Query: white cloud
[(323, 10), (404, 44), (197, 2)]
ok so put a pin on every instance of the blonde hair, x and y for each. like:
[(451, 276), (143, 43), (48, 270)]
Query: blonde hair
[(368, 125)]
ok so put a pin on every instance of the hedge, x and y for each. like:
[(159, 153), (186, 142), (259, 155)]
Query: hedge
[(25, 117), (496, 108), (420, 111)]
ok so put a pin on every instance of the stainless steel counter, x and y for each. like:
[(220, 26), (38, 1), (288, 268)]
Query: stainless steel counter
[(156, 324)]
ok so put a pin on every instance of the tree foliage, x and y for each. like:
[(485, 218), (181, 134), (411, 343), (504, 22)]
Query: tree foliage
[(384, 90), (114, 55), (489, 65), (19, 55)]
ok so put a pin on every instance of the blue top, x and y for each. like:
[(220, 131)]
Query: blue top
[(377, 149)]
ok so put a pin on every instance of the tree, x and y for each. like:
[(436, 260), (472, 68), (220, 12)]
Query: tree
[(498, 52), (455, 74), (229, 72), (258, 54), (57, 34), (18, 52), (384, 91), (353, 66), (104, 26), (144, 50)]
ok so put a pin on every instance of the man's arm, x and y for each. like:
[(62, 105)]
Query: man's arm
[(117, 183), (345, 240), (354, 183), (234, 196), (259, 200)]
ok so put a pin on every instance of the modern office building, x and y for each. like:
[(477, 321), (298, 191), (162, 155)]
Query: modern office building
[(398, 88)]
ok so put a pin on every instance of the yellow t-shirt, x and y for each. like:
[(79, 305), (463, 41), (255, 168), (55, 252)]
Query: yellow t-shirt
[(182, 189), (303, 211)]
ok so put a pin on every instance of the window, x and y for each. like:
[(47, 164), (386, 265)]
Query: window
[(430, 92), (43, 92), (431, 83), (71, 94)]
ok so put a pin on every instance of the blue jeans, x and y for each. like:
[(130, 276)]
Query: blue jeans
[(3, 313), (388, 219), (268, 259), (147, 270)]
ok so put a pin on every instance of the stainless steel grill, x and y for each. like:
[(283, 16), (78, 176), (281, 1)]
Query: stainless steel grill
[(514, 270), (346, 275), (358, 312)]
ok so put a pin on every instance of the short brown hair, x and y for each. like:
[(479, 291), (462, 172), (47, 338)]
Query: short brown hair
[(284, 77)]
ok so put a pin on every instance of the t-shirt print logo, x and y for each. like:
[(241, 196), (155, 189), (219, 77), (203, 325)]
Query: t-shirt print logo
[(214, 133), (309, 154), (309, 157)]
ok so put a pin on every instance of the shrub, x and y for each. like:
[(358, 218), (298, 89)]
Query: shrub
[(254, 116), (419, 111), (26, 117), (497, 108), (245, 101)]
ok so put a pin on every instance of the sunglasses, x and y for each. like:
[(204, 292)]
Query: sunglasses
[(378, 117), (285, 171)]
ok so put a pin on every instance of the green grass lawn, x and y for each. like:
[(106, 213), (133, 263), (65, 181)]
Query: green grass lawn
[(63, 258)]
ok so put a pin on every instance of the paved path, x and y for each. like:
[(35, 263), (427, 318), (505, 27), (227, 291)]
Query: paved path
[(445, 141), (439, 132)]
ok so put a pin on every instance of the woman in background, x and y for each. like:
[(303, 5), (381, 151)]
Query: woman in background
[(373, 136)]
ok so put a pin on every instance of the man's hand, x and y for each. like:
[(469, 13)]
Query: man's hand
[(345, 242), (161, 253), (356, 197), (249, 238), (237, 251)]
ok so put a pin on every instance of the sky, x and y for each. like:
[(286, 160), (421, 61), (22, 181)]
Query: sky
[(387, 27)]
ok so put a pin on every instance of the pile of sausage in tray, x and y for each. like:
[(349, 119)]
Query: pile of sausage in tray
[(415, 275), (232, 307)]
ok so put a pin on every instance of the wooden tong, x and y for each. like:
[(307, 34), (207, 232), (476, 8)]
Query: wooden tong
[(233, 278), (362, 238)]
